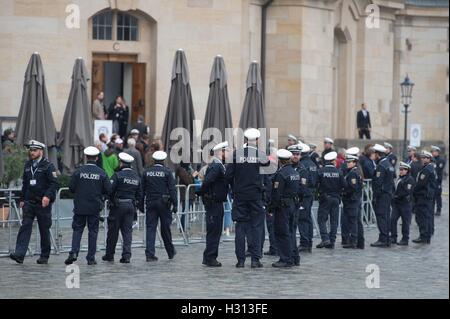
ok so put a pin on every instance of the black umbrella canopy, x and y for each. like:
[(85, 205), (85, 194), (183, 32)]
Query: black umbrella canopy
[(180, 109), (253, 115), (35, 120), (76, 131), (218, 113)]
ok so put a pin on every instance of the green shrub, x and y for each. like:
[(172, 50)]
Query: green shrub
[(14, 161)]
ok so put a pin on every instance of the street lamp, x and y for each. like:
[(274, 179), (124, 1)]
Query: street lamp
[(406, 88)]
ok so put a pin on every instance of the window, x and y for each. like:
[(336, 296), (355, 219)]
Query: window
[(102, 26), (127, 27)]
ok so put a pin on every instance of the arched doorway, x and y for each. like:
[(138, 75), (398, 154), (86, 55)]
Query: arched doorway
[(122, 46)]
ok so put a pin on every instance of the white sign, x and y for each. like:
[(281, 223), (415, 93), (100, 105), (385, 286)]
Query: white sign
[(415, 135), (102, 126)]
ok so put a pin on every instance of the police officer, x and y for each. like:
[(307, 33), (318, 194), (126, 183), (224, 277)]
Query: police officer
[(412, 150), (439, 164), (351, 215), (313, 155), (90, 184), (160, 194), (344, 168), (126, 196), (292, 140), (38, 193), (214, 190), (306, 226), (284, 206), (300, 211), (424, 193), (383, 188), (331, 183), (244, 176), (328, 144), (390, 155), (402, 204)]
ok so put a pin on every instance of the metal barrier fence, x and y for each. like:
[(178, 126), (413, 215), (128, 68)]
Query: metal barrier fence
[(188, 226)]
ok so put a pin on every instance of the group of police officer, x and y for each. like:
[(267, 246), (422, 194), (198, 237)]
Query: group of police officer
[(281, 198)]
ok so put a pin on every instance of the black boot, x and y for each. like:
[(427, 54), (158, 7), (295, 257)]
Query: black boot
[(151, 258), (421, 240), (379, 244), (323, 244), (256, 264), (330, 245), (213, 263), (16, 258), (351, 244), (42, 261), (280, 264), (108, 258), (240, 264), (92, 262), (72, 257), (124, 260), (403, 242)]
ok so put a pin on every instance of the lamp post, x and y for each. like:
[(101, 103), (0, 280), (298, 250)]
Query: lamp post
[(406, 89)]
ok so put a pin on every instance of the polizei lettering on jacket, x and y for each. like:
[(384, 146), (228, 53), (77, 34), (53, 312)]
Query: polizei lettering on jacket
[(131, 181), (331, 175), (248, 159), (89, 176), (156, 174)]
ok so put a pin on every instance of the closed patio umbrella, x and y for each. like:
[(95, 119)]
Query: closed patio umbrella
[(35, 120), (76, 131)]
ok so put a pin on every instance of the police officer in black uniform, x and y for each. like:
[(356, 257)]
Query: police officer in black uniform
[(424, 193), (90, 185), (38, 193), (126, 197), (244, 176), (383, 189), (328, 144), (284, 206), (331, 183), (160, 194), (439, 163), (214, 191), (351, 215), (313, 155), (402, 204), (390, 155), (305, 223), (344, 168)]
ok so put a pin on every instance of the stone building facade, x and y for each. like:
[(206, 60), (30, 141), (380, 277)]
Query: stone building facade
[(323, 58)]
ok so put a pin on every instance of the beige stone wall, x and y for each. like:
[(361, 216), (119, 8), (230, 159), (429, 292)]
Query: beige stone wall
[(307, 42)]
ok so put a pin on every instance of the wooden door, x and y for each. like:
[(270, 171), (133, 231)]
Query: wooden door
[(138, 91), (98, 70)]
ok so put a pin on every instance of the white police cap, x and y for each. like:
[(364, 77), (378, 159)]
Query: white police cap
[(134, 131), (33, 144), (126, 158), (284, 154), (312, 145), (404, 165), (328, 140), (435, 148), (91, 151), (159, 156), (305, 148), (292, 137), (412, 148), (220, 146), (350, 157), (119, 141), (352, 151), (426, 154), (331, 156), (379, 148), (252, 134), (295, 148), (388, 145)]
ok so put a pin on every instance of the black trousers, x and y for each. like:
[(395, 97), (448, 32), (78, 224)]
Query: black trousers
[(249, 216), (120, 219), (305, 223), (403, 210), (438, 197), (364, 132), (382, 207), (423, 209), (351, 220), (328, 207), (79, 222), (285, 227), (157, 210), (214, 225), (44, 219), (270, 229)]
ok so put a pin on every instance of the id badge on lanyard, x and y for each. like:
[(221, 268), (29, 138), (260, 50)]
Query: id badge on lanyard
[(33, 180)]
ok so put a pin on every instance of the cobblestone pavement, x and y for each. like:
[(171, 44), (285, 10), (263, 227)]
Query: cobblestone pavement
[(405, 272)]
